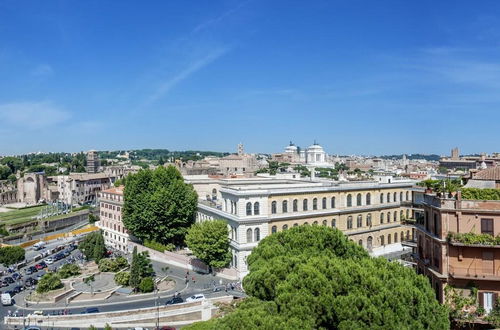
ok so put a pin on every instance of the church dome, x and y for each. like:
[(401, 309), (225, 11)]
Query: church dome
[(292, 148)]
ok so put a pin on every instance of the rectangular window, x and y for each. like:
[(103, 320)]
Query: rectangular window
[(487, 226)]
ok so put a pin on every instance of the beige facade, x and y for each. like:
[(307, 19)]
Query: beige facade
[(110, 211)]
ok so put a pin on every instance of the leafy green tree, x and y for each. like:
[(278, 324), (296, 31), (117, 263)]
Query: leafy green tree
[(107, 327), (93, 246), (122, 278), (49, 281), (10, 255), (68, 270), (209, 241), (135, 271), (313, 277), (159, 206), (14, 163), (146, 285), (5, 171)]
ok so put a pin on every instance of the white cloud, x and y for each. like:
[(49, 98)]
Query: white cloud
[(32, 115), (207, 24), (42, 70), (191, 69)]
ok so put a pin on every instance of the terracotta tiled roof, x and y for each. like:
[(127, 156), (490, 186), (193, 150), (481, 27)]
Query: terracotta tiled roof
[(114, 190), (492, 173)]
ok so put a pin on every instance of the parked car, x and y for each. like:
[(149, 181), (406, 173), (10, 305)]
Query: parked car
[(30, 281), (6, 299), (17, 289), (49, 261), (196, 297), (9, 279), (15, 276), (174, 300), (30, 270)]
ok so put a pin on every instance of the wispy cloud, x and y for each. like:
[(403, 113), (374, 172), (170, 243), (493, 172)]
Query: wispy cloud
[(42, 70), (32, 115), (213, 21), (187, 72)]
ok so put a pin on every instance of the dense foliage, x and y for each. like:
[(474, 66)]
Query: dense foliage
[(113, 265), (140, 268), (146, 285), (159, 206), (481, 194), (93, 246), (312, 277), (122, 278), (49, 281), (209, 242), (68, 270), (10, 255), (158, 246), (472, 238)]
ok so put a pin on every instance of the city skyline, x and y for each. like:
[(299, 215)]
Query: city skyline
[(359, 77)]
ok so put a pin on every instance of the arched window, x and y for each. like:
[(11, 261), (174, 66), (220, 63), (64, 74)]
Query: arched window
[(402, 236), (407, 214), (389, 239), (232, 208), (315, 223), (388, 197), (395, 199), (306, 223), (315, 203), (395, 237), (407, 195), (381, 217), (349, 200), (359, 221), (284, 206), (395, 216), (323, 203), (369, 220), (408, 235), (388, 217), (368, 199), (249, 235), (349, 222), (334, 223), (295, 205), (325, 223), (256, 208), (360, 242), (369, 243), (401, 214), (382, 241), (401, 196), (274, 229), (381, 198), (273, 207), (304, 205), (285, 227), (295, 224), (214, 194), (256, 234), (249, 208), (358, 200), (332, 202)]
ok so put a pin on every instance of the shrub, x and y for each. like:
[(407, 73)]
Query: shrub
[(11, 254), (68, 270), (146, 285), (472, 239), (121, 263), (158, 246), (112, 265), (122, 278), (49, 281), (481, 194)]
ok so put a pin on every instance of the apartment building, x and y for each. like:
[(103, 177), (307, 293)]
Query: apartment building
[(449, 259), (82, 188), (110, 210), (370, 213)]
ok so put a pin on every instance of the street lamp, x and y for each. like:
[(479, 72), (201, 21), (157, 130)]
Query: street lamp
[(157, 291)]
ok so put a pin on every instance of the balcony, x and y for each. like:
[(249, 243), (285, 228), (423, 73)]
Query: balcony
[(472, 273), (473, 240)]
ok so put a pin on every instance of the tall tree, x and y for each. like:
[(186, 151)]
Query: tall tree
[(159, 206), (93, 246), (209, 241), (315, 278), (135, 270)]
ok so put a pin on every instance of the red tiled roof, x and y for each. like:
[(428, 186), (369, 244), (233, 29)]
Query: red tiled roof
[(115, 190), (492, 173)]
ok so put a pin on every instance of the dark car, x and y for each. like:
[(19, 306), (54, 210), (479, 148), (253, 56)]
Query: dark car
[(175, 300), (17, 289), (30, 270), (16, 276), (9, 279), (30, 281), (66, 253), (91, 310)]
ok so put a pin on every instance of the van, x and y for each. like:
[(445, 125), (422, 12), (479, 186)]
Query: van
[(39, 245), (6, 299), (196, 297)]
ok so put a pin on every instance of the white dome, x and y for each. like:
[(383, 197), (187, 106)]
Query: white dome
[(315, 147)]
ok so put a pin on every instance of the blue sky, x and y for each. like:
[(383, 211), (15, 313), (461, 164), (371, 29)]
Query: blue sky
[(360, 77)]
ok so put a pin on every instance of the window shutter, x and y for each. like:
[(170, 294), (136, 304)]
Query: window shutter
[(481, 299)]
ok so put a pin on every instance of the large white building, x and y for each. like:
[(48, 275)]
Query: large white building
[(370, 213), (110, 221)]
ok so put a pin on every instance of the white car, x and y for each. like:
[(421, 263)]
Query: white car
[(49, 261), (196, 297)]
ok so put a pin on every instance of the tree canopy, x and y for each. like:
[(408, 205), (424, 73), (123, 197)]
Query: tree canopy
[(209, 241), (11, 255), (93, 246), (159, 206), (313, 277)]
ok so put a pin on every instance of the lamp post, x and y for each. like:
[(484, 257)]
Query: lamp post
[(157, 291)]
